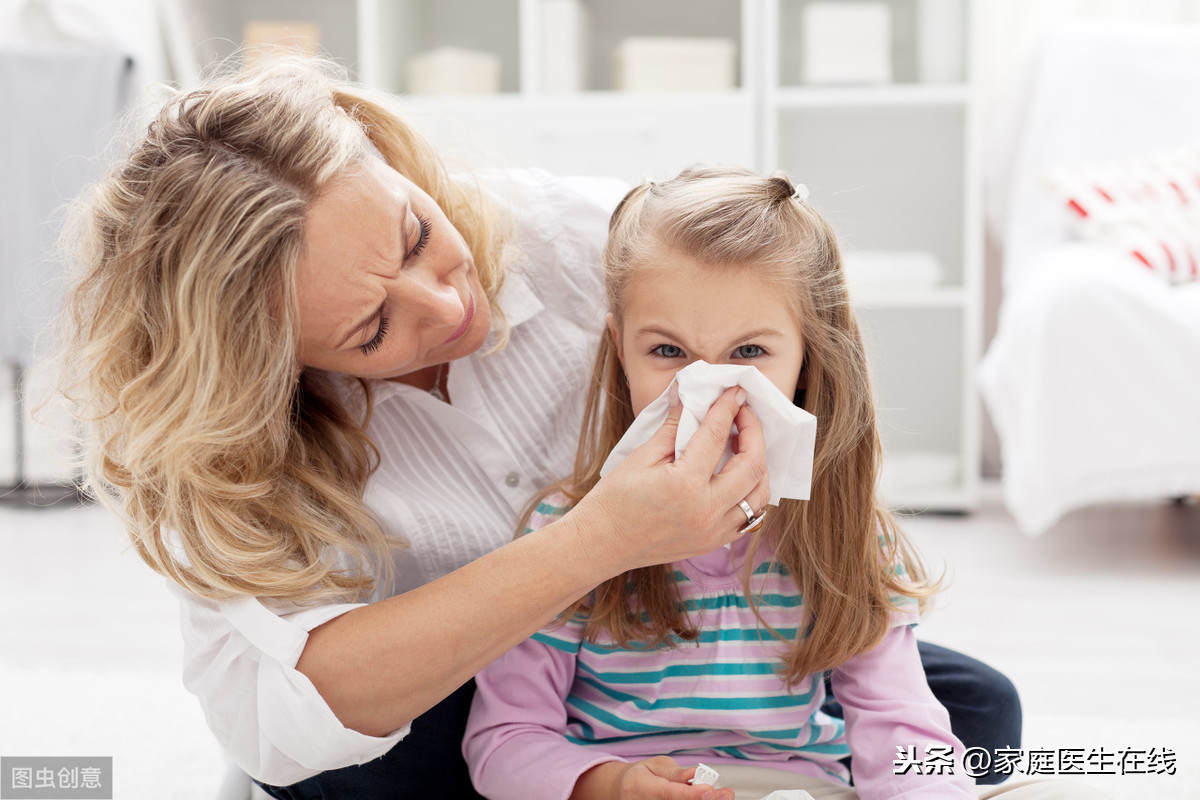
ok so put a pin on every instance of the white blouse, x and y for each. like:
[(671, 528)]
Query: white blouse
[(452, 481)]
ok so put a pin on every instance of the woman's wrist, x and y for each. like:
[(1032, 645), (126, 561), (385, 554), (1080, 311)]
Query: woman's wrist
[(595, 540)]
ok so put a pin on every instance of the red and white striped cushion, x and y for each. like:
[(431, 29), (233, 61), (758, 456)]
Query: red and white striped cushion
[(1148, 207)]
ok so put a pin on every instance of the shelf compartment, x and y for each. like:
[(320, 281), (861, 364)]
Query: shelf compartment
[(917, 364), (612, 21), (627, 136), (393, 31), (224, 23), (937, 27), (886, 178)]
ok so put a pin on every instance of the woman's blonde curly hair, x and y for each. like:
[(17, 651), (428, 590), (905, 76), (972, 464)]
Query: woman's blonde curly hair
[(235, 471)]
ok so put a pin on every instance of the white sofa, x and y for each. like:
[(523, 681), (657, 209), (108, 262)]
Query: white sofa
[(1093, 377)]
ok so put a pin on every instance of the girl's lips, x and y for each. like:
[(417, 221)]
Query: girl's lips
[(466, 323)]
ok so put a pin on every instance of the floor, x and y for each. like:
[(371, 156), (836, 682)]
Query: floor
[(1095, 622)]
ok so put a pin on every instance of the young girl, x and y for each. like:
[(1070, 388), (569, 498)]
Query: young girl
[(721, 659)]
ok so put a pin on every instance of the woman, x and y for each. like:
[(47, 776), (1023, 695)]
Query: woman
[(321, 380)]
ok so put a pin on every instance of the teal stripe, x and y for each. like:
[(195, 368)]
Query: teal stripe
[(771, 568), (631, 727), (552, 510), (681, 671), (590, 736), (702, 703), (739, 601), (746, 635), (834, 750), (705, 637), (567, 646), (620, 723)]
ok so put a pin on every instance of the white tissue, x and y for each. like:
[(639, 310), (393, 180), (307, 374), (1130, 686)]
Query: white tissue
[(705, 774), (790, 432)]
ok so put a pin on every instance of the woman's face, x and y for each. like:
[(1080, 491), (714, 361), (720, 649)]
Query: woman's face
[(682, 311), (387, 286)]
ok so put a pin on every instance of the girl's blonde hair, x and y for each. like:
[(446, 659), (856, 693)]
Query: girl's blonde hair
[(236, 472), (842, 545)]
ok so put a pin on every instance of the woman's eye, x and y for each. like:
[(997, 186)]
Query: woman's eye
[(377, 339), (422, 237), (667, 351), (748, 351)]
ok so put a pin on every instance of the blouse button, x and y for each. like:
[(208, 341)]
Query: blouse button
[(512, 479)]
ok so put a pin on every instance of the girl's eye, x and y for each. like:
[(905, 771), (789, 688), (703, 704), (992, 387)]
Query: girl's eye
[(667, 351), (748, 351), (377, 339), (422, 237)]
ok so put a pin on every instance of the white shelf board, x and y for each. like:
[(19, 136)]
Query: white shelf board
[(892, 95), (889, 297), (933, 498)]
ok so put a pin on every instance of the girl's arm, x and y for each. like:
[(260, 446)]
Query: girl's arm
[(888, 704), (381, 665), (516, 746)]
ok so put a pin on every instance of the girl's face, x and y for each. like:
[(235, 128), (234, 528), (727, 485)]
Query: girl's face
[(387, 287), (680, 311)]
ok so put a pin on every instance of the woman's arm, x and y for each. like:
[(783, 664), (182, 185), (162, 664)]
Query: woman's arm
[(380, 666)]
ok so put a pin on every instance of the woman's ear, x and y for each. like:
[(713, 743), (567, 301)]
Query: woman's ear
[(615, 332)]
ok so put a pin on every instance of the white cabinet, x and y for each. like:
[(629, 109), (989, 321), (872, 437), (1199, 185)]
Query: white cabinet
[(893, 164)]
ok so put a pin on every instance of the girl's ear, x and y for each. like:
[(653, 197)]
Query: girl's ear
[(801, 395), (615, 333)]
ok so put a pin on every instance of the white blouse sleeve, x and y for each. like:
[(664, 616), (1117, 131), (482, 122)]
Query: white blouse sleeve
[(240, 661)]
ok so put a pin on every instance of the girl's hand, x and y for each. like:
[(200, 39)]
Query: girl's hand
[(658, 778), (655, 509)]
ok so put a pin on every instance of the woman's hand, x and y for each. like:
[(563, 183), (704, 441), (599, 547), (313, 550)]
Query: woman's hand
[(652, 509), (655, 509), (658, 778)]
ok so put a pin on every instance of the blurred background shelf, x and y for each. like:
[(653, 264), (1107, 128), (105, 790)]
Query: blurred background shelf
[(874, 113)]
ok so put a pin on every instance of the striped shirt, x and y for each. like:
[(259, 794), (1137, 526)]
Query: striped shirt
[(558, 704), (722, 694)]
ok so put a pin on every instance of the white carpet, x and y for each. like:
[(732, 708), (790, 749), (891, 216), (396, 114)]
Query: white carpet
[(1095, 623), (151, 727)]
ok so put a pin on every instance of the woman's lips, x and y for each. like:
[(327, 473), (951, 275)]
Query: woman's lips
[(466, 323)]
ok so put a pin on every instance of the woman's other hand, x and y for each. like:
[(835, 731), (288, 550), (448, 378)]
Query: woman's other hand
[(658, 778), (655, 509)]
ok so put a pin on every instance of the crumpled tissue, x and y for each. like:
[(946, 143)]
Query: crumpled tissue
[(790, 432)]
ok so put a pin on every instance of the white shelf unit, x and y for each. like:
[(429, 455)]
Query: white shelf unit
[(893, 166)]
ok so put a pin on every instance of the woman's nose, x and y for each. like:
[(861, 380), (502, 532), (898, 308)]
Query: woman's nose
[(440, 304)]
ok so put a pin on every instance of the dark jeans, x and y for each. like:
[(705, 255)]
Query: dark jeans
[(983, 704)]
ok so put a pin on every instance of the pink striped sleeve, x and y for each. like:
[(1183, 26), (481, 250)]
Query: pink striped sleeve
[(888, 704), (515, 745)]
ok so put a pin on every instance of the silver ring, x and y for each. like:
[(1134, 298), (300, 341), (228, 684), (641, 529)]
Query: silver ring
[(754, 524), (747, 510)]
